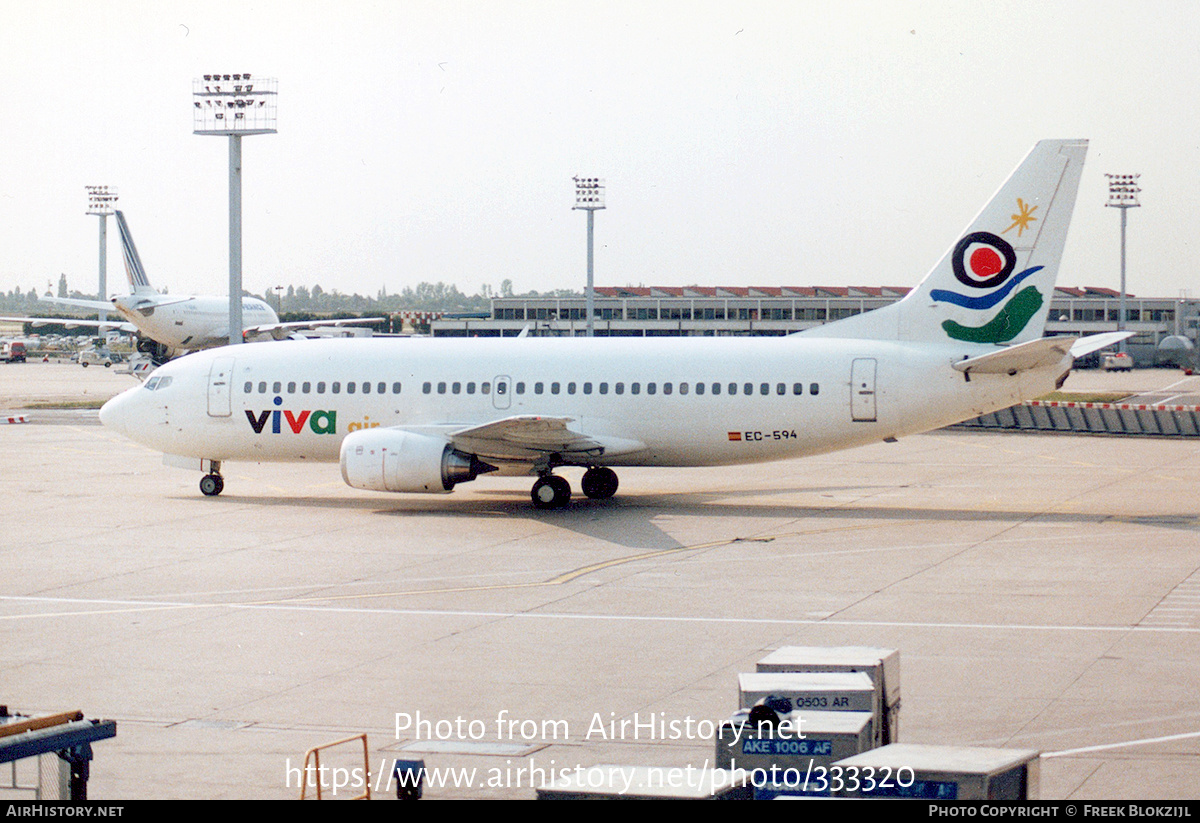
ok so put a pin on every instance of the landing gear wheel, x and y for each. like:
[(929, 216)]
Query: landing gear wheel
[(212, 485), (551, 492), (599, 483)]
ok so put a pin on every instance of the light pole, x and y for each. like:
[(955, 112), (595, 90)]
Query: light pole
[(233, 105), (1122, 194), (589, 196), (100, 203)]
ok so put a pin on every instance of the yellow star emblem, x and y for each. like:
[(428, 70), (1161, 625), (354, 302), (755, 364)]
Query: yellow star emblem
[(1021, 221)]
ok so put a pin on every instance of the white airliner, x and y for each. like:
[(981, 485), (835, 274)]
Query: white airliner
[(422, 415), (178, 324)]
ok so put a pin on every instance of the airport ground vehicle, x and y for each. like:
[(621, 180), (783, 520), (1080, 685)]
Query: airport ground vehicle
[(12, 351), (1118, 362)]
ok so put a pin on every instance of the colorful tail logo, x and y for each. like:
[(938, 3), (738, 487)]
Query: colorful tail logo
[(983, 260)]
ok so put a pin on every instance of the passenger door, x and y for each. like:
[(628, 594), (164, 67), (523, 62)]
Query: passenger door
[(219, 377)]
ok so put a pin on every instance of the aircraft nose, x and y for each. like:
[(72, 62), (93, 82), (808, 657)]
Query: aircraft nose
[(115, 414)]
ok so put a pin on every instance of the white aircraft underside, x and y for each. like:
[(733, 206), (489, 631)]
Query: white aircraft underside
[(418, 415)]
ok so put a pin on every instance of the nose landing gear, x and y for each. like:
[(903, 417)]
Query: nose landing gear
[(212, 483)]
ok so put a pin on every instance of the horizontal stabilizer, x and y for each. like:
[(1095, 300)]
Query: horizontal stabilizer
[(1036, 354), (1096, 342)]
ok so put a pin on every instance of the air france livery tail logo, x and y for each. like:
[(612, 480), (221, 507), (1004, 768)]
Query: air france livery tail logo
[(984, 263)]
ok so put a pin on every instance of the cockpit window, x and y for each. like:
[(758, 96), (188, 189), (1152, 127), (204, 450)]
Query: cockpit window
[(158, 383)]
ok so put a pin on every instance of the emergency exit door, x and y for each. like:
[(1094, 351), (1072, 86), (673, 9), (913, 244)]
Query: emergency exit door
[(862, 390)]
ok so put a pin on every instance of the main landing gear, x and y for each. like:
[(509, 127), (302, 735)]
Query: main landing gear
[(554, 492), (212, 483)]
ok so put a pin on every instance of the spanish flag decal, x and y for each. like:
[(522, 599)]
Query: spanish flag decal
[(735, 435)]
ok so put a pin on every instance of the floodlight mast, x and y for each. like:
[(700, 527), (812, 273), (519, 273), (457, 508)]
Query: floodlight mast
[(100, 203), (234, 105), (1122, 194), (589, 196)]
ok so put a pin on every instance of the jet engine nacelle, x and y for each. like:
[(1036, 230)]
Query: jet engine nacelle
[(392, 460)]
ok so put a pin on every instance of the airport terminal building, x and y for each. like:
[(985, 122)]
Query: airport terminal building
[(1162, 326)]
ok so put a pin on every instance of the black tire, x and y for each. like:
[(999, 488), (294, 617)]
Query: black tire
[(551, 492), (211, 485), (599, 483)]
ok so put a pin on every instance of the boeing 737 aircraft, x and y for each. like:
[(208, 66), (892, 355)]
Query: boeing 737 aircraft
[(421, 415), (177, 324)]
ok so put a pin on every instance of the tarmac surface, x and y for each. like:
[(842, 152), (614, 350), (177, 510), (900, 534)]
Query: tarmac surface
[(1043, 591)]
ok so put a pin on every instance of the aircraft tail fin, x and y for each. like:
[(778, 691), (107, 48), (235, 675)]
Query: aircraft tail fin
[(133, 262), (996, 282)]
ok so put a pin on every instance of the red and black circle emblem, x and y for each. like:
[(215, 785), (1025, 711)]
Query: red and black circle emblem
[(982, 260)]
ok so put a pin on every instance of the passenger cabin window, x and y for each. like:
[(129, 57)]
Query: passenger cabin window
[(276, 387), (441, 388), (262, 387), (813, 388), (305, 387), (797, 388), (249, 387), (350, 387), (619, 388), (520, 388), (554, 388), (335, 387), (426, 388), (321, 387), (292, 387)]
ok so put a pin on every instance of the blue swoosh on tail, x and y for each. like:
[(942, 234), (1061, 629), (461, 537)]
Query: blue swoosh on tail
[(985, 301)]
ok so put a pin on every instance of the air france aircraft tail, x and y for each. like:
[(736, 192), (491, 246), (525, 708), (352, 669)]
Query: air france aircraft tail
[(995, 283), (138, 281)]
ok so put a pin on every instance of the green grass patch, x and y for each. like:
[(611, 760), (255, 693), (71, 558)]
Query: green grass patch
[(65, 404), (1086, 397)]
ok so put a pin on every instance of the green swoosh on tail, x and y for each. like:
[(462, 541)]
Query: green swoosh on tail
[(1006, 325)]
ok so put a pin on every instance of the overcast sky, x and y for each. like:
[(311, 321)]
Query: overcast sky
[(742, 143)]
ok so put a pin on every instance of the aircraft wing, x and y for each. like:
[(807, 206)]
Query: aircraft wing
[(94, 305), (527, 437), (72, 322), (281, 330)]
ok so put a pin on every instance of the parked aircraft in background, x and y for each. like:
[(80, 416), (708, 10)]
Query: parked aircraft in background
[(413, 415), (169, 324)]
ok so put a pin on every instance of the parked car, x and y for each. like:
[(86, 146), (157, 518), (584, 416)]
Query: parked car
[(98, 358)]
